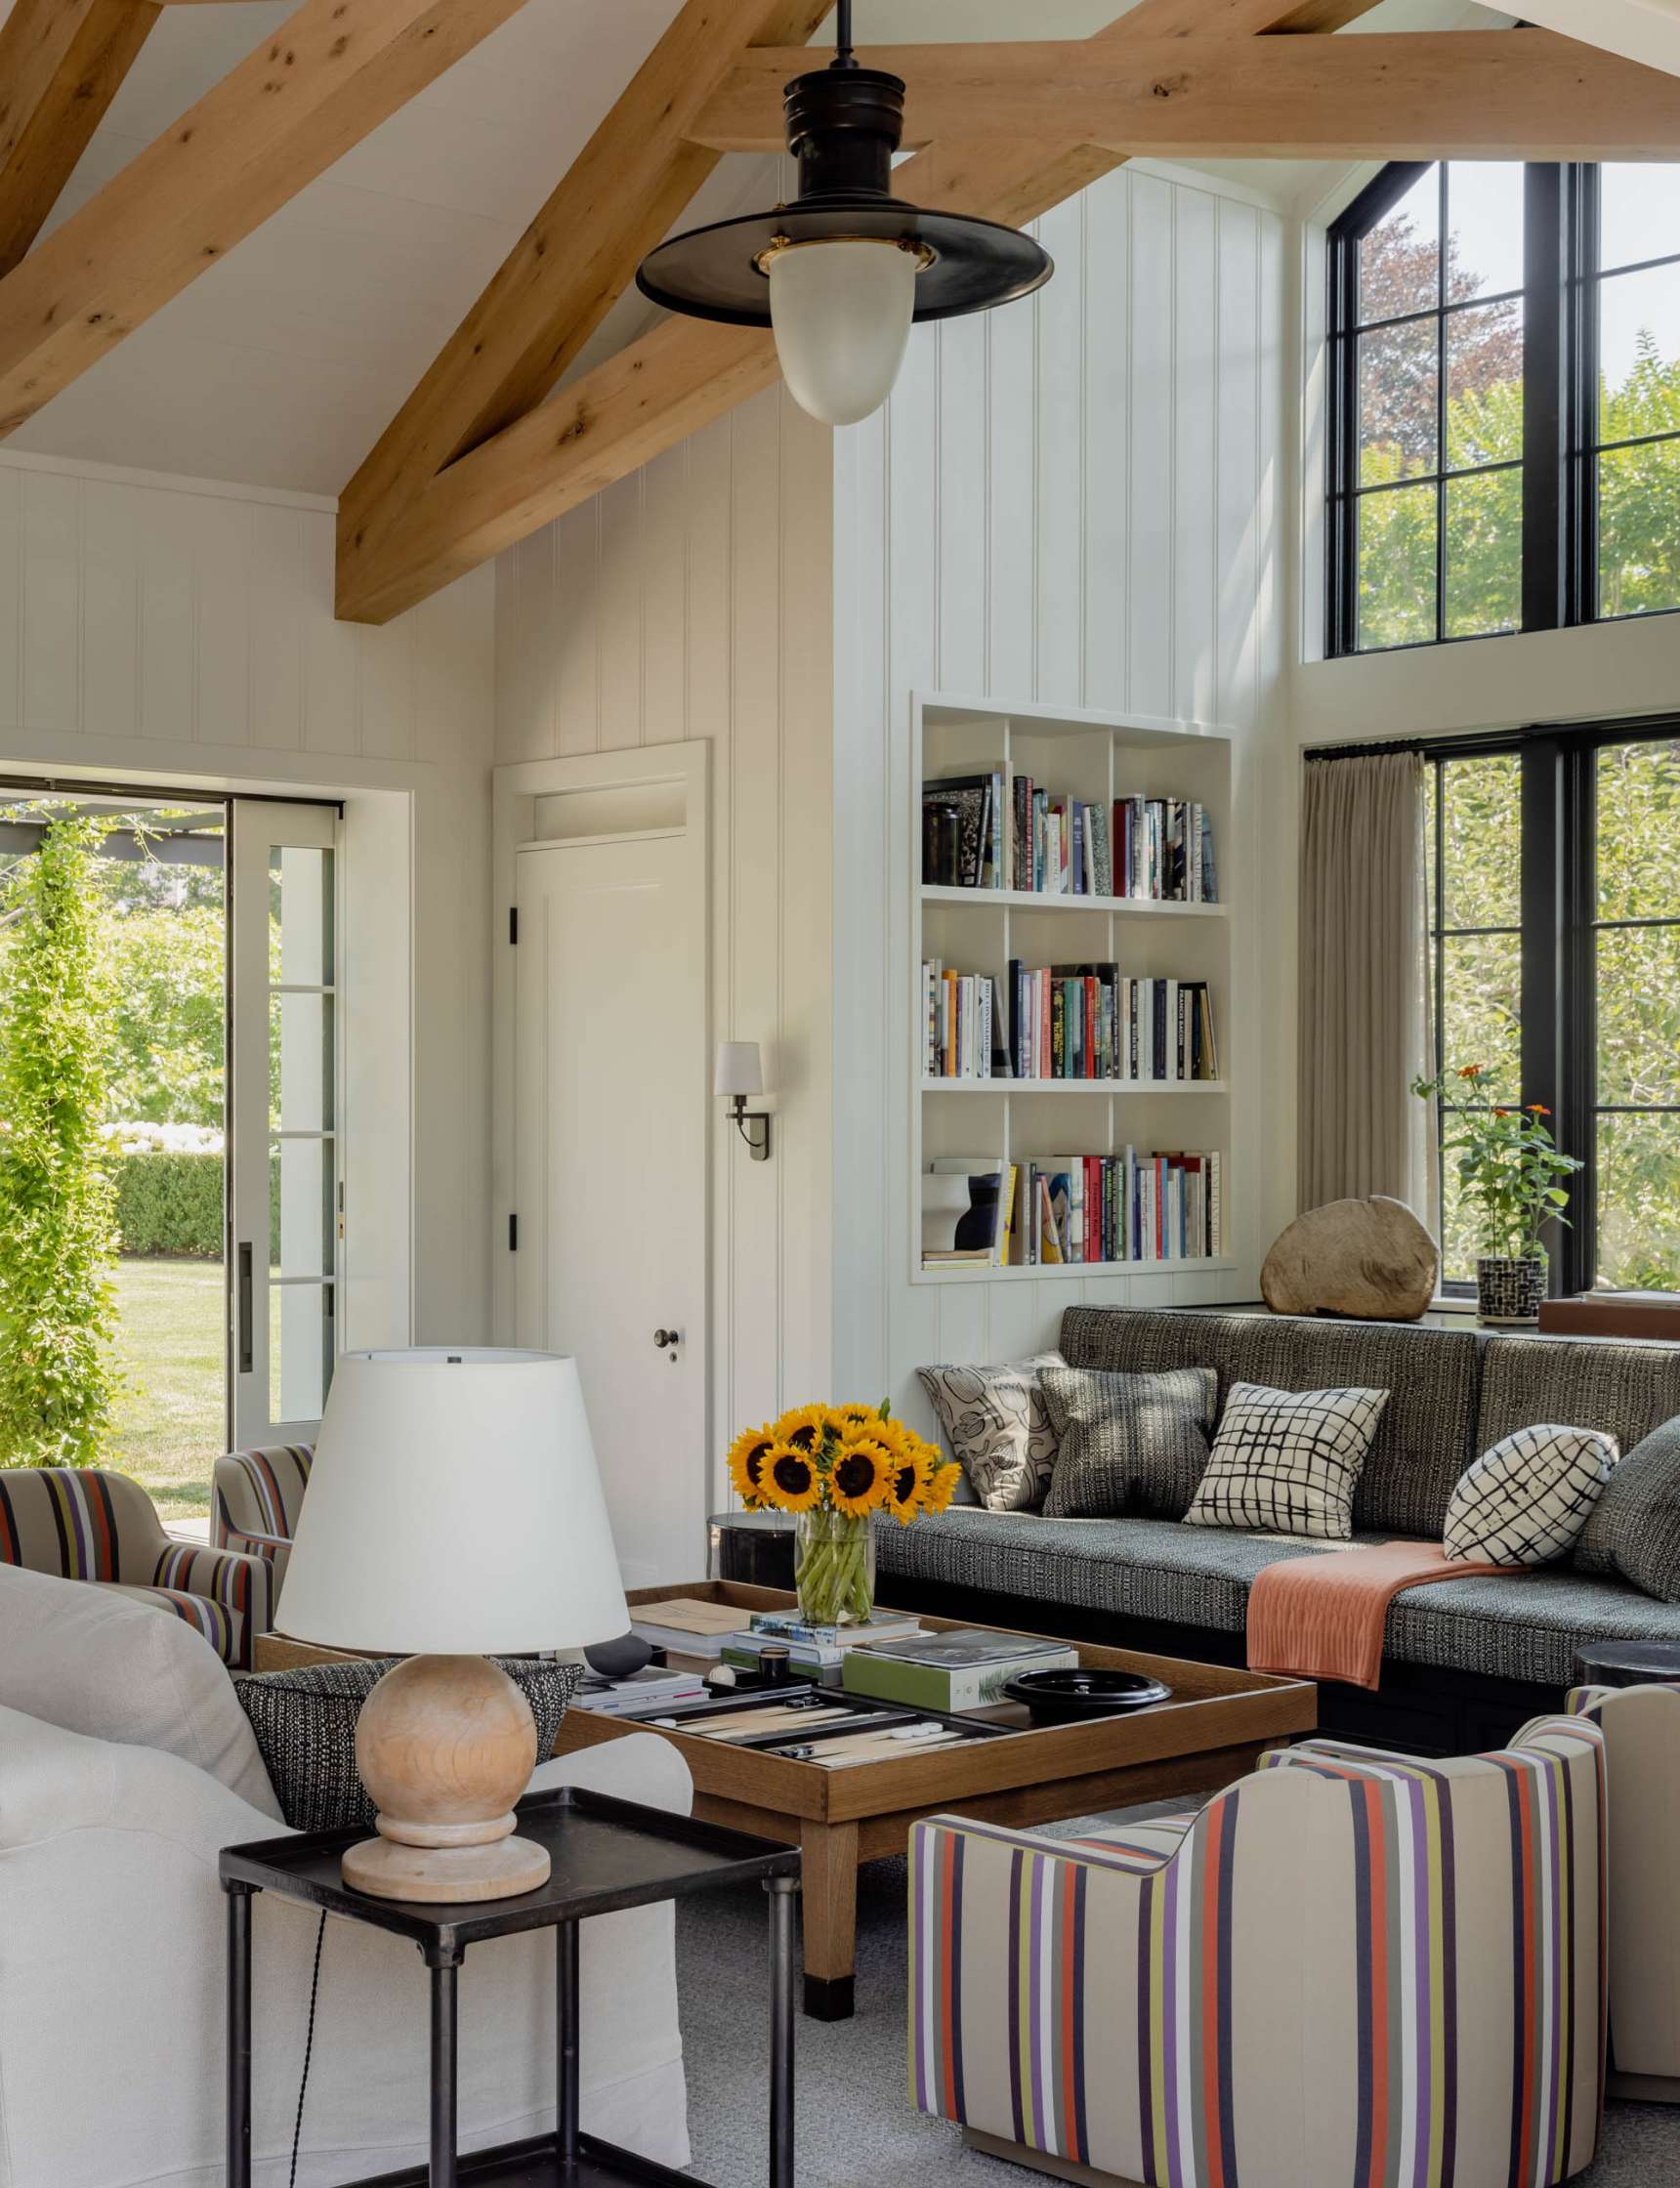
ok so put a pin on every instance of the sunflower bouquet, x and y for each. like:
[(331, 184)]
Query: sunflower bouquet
[(834, 1466)]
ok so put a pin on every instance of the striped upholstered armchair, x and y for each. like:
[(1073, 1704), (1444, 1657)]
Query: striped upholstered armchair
[(1642, 1762), (255, 1498), (79, 1524), (1348, 1968)]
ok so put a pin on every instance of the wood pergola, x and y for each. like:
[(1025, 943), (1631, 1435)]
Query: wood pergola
[(487, 449)]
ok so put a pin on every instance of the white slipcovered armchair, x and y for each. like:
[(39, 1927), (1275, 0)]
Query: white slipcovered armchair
[(126, 1764)]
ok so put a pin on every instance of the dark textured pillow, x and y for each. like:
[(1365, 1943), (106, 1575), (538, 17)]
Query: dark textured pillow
[(304, 1725), (1634, 1528), (1130, 1444)]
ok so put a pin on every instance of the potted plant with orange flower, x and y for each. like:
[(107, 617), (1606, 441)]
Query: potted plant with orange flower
[(1510, 1172), (834, 1467)]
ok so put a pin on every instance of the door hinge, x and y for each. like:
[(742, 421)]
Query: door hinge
[(513, 924), (513, 1233)]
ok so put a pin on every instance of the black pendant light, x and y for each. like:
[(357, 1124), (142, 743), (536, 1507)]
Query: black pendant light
[(842, 272)]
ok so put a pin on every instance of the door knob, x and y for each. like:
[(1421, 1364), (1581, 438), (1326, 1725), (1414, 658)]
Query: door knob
[(665, 1337)]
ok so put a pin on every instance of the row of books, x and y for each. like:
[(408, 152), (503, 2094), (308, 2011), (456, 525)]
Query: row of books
[(979, 834), (1062, 1209), (1065, 1022)]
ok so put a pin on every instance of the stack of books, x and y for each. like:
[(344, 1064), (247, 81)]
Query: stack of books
[(978, 834), (642, 1693), (960, 1024), (963, 834), (816, 1650), (1087, 1021), (1118, 1207), (687, 1625), (963, 1669)]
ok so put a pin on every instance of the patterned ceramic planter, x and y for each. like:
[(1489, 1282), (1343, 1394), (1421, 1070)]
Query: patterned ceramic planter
[(1508, 1291)]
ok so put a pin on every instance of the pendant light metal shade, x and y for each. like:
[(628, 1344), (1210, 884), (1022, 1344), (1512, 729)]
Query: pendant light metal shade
[(805, 267)]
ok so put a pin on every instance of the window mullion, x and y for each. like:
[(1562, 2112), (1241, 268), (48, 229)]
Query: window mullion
[(1544, 435)]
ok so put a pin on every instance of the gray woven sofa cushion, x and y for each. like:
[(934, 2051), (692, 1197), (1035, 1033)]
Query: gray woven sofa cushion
[(1622, 1390), (1426, 1437), (1518, 1626)]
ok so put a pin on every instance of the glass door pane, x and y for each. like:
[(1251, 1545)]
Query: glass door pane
[(285, 1118)]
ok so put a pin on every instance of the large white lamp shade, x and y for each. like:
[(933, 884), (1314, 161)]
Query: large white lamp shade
[(454, 1508)]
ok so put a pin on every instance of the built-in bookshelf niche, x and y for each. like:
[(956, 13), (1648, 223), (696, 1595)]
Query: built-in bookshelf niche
[(1131, 1014)]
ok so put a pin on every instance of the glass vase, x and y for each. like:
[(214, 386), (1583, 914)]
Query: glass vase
[(833, 1568)]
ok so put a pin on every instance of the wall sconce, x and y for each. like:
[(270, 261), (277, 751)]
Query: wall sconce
[(739, 1073)]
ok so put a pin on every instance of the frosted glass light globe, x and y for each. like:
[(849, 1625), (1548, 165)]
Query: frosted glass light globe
[(842, 313)]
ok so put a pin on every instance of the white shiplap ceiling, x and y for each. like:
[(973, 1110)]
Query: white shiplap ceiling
[(282, 366)]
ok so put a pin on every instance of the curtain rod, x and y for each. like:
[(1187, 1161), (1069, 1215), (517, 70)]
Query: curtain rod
[(1478, 743)]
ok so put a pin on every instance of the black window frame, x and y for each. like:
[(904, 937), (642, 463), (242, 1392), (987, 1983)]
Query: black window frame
[(1559, 927), (1561, 447)]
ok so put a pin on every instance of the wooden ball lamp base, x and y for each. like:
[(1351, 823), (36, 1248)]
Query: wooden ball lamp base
[(445, 1745)]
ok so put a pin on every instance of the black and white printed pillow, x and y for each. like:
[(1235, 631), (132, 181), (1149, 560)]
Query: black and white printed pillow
[(1287, 1461), (995, 1422), (1525, 1501)]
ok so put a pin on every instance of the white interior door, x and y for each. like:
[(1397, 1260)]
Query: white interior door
[(284, 1226), (610, 1138)]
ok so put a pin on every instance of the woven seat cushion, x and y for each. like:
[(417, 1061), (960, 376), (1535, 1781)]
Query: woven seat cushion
[(304, 1725), (1517, 1625), (1427, 1434)]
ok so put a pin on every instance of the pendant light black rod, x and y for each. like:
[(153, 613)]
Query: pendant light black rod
[(843, 58)]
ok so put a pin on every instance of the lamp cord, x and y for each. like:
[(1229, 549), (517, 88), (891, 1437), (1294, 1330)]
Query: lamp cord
[(309, 2047)]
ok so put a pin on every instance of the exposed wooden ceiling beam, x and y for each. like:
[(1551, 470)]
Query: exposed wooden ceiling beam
[(687, 372), (331, 74), (620, 197), (60, 62), (1463, 95)]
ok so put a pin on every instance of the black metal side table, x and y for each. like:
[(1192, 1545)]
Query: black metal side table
[(1626, 1663), (607, 1855)]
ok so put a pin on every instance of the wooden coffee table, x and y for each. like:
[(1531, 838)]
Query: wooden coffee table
[(1207, 1735)]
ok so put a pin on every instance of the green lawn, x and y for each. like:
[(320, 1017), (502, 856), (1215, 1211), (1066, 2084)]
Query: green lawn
[(170, 1421)]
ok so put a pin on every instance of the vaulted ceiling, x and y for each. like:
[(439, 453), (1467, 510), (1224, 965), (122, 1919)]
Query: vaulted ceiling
[(273, 290)]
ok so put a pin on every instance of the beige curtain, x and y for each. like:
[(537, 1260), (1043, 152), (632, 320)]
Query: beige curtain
[(1365, 990)]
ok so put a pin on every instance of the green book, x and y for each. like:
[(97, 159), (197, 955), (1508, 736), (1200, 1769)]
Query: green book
[(951, 1687)]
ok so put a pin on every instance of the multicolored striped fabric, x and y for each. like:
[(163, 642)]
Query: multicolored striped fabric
[(82, 1523), (238, 1589), (1348, 1968), (1641, 1727), (255, 1499)]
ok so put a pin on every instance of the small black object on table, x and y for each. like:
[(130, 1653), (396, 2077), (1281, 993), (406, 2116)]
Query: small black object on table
[(753, 1547), (607, 1855), (1626, 1663)]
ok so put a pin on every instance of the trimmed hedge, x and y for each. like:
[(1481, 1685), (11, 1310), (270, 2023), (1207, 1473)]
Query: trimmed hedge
[(169, 1203)]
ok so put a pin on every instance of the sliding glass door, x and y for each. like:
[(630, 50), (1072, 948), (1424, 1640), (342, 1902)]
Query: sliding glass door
[(285, 1202)]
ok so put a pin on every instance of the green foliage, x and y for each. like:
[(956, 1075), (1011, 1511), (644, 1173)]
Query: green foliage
[(56, 1203), (168, 1025), (169, 1203), (1509, 1169)]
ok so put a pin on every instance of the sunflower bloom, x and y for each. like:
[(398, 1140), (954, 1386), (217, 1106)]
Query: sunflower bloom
[(907, 1487), (803, 1427), (858, 1479), (937, 1496), (855, 1420), (747, 1454), (791, 1482)]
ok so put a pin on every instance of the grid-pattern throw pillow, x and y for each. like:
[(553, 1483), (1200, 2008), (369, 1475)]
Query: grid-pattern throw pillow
[(1287, 1461), (1525, 1501), (995, 1422)]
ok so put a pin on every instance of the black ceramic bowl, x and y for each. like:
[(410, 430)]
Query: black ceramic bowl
[(1059, 1697)]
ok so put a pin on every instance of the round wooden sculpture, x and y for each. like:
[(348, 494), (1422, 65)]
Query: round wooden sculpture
[(445, 1745)]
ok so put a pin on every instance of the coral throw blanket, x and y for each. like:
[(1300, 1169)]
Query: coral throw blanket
[(1322, 1617)]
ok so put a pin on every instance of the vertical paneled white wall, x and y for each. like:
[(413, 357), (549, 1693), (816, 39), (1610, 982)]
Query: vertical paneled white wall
[(695, 600), (1076, 501), (179, 631)]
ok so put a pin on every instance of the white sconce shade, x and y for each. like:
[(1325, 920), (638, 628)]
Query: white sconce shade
[(842, 314), (739, 1070)]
